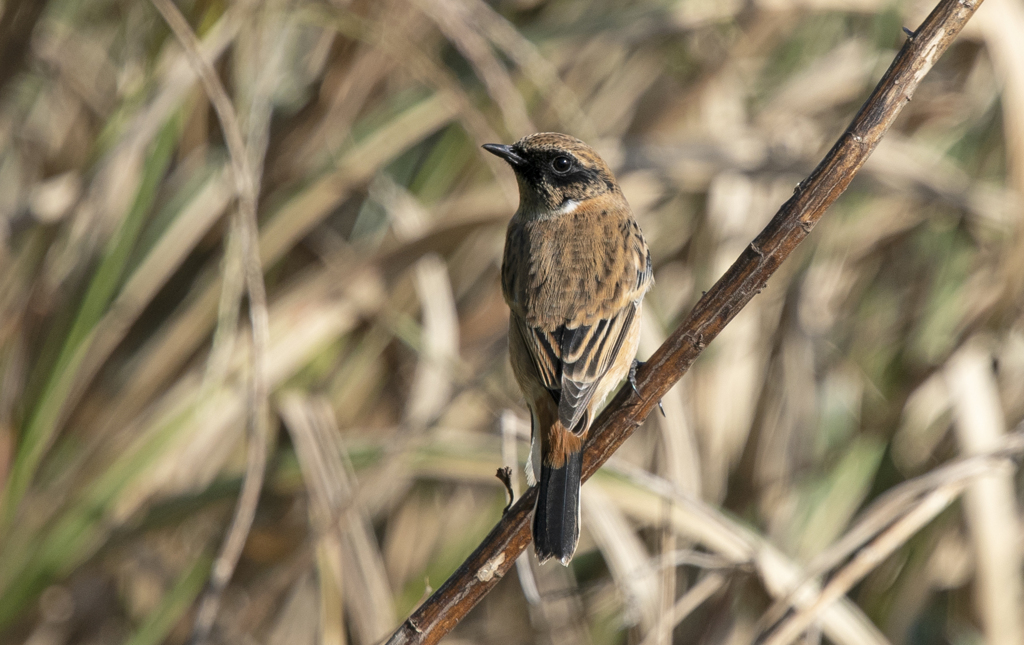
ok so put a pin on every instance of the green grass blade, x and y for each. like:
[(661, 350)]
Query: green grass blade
[(44, 419)]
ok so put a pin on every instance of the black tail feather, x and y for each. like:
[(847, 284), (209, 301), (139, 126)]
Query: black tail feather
[(556, 520)]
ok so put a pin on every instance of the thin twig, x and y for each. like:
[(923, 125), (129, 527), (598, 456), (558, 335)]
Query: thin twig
[(257, 422), (745, 279)]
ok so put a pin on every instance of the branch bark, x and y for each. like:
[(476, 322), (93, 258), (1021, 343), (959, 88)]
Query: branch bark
[(744, 279)]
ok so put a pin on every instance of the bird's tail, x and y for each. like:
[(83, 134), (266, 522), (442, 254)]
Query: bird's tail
[(556, 521)]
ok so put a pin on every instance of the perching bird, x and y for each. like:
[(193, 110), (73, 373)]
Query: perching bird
[(574, 275)]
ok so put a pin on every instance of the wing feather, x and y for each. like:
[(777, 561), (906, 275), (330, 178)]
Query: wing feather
[(584, 369), (572, 362), (546, 350)]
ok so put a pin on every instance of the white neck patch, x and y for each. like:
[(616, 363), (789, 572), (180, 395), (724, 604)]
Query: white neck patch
[(567, 207)]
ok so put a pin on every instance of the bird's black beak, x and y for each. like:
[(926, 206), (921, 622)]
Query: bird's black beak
[(506, 153)]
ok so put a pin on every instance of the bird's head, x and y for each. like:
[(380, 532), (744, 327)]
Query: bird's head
[(556, 172)]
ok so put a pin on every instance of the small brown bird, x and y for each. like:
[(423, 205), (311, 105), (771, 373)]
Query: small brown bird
[(574, 275)]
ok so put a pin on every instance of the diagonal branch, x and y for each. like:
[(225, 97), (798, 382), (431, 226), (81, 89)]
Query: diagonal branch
[(744, 279)]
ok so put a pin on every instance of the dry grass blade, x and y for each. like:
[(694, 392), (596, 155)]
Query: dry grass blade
[(895, 502), (893, 508), (327, 489), (542, 73), (297, 623), (303, 325), (678, 455), (295, 219), (829, 408), (627, 558), (451, 18), (747, 276), (346, 542), (1003, 19), (742, 548), (194, 222), (863, 563), (992, 513), (257, 410), (684, 606)]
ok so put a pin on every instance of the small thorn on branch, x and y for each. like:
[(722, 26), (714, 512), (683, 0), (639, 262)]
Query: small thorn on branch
[(412, 625), (504, 474), (910, 34)]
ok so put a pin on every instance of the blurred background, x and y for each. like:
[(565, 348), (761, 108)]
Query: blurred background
[(889, 343)]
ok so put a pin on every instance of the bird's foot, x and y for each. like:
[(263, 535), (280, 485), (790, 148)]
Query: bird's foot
[(504, 474), (632, 376), (632, 383)]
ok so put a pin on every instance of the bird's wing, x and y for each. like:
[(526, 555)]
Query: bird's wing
[(572, 362), (546, 350), (587, 353)]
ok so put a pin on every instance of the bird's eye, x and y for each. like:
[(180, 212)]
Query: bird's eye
[(561, 164)]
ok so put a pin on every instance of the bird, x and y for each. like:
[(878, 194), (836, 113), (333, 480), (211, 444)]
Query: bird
[(574, 274)]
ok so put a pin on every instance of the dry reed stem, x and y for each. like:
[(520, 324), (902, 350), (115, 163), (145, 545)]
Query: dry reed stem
[(864, 562), (350, 564), (747, 277), (990, 505), (450, 17), (257, 412), (738, 548), (295, 219), (562, 100), (893, 506), (693, 598)]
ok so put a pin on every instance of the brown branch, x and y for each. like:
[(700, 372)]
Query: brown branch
[(744, 279)]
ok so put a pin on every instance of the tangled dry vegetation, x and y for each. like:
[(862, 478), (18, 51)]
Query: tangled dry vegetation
[(854, 402)]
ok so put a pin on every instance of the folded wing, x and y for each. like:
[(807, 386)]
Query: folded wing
[(572, 361)]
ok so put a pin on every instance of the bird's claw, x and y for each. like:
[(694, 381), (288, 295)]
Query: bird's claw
[(632, 376), (632, 383)]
